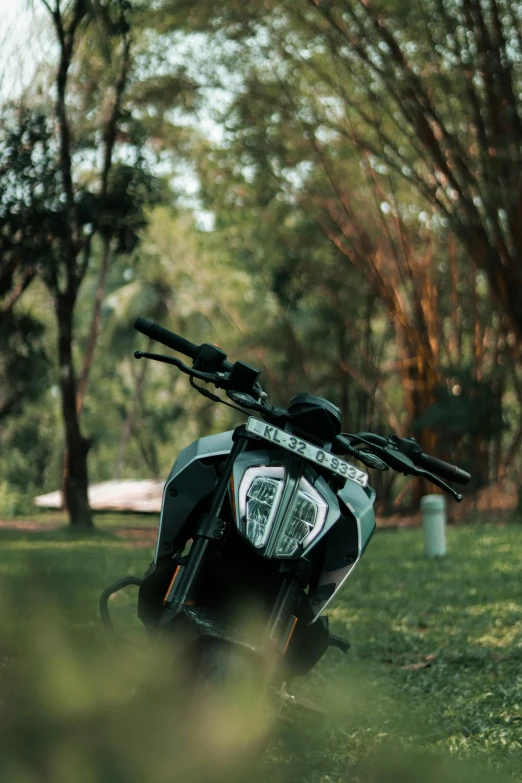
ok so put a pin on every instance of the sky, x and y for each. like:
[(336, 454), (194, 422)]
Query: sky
[(23, 42)]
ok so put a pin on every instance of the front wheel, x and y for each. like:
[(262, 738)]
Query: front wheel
[(231, 709)]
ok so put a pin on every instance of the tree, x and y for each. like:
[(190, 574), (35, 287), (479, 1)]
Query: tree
[(285, 137), (61, 200), (433, 92), (29, 205), (71, 251)]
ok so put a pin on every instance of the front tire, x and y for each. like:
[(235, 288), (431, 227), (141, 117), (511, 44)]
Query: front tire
[(230, 706)]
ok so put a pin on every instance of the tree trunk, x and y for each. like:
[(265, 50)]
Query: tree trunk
[(75, 478), (419, 376), (148, 450), (95, 325), (129, 421)]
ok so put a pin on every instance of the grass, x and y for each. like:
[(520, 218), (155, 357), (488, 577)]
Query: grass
[(102, 520), (431, 688)]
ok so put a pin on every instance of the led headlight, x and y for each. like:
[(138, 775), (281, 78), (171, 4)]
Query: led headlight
[(260, 491), (267, 524), (299, 523)]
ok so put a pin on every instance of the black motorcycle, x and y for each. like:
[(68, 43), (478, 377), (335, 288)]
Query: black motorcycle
[(268, 516)]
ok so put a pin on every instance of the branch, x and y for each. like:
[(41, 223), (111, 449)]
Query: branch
[(112, 121), (414, 104), (416, 90), (369, 389), (110, 140), (50, 10), (66, 38), (7, 305), (84, 264), (95, 326)]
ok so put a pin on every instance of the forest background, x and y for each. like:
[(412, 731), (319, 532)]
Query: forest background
[(330, 190)]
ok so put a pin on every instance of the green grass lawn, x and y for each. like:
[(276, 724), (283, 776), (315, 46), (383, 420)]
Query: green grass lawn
[(434, 669)]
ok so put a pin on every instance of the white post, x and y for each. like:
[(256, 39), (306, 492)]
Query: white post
[(433, 509)]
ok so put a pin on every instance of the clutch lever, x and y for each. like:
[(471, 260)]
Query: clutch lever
[(208, 377)]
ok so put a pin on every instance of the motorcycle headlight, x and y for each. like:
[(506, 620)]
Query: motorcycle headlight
[(259, 495), (299, 523), (266, 524)]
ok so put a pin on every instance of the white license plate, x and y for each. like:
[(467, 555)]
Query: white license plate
[(288, 441)]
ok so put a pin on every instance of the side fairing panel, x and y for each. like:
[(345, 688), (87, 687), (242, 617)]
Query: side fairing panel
[(360, 502), (191, 479), (211, 446), (345, 543)]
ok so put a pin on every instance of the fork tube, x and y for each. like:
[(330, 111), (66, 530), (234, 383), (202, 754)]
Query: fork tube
[(241, 438), (282, 614), (201, 543), (285, 605)]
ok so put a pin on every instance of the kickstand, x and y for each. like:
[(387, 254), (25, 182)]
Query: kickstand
[(337, 641), (288, 700)]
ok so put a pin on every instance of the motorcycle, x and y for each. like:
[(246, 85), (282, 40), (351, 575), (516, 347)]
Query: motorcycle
[(269, 515)]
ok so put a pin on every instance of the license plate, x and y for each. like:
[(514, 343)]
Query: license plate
[(290, 442)]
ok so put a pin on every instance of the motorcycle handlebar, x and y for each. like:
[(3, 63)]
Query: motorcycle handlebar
[(180, 344), (419, 458), (443, 469), (166, 337)]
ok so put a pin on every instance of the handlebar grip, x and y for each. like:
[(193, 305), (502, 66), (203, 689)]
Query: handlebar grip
[(443, 469), (166, 337)]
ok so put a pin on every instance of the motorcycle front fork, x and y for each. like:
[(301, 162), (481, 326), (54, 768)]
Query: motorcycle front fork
[(211, 528)]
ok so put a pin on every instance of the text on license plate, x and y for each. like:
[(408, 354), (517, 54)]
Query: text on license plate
[(288, 441)]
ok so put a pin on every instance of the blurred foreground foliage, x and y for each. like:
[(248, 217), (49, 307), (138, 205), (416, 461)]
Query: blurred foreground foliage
[(431, 688)]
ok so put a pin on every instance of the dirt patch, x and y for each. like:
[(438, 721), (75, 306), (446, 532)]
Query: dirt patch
[(26, 526), (133, 536), (395, 521)]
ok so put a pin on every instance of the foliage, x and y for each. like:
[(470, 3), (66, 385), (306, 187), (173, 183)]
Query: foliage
[(13, 502), (468, 412), (24, 365), (131, 192), (309, 125), (30, 207), (390, 81), (59, 193)]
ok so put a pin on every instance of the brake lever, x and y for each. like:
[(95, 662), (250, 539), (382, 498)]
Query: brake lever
[(405, 465), (439, 483), (202, 376), (161, 357), (397, 460)]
